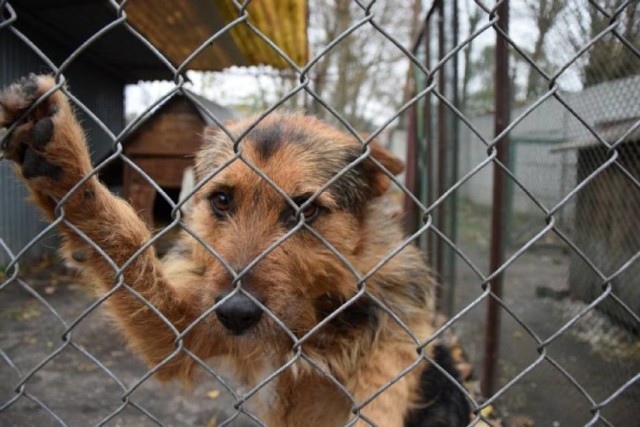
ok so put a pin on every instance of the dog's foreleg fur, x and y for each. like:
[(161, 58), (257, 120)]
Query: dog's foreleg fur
[(109, 223)]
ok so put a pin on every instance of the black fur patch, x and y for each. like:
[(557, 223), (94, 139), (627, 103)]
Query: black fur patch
[(35, 165), (42, 132), (446, 405), (351, 190), (267, 139), (362, 312), (287, 217), (413, 290)]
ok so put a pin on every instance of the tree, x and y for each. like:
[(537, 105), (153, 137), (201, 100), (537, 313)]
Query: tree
[(609, 58), (482, 70), (363, 76), (478, 79), (473, 20), (544, 13)]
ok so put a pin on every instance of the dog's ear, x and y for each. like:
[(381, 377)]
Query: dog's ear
[(379, 181)]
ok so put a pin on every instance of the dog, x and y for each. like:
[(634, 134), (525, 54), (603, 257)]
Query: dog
[(284, 264)]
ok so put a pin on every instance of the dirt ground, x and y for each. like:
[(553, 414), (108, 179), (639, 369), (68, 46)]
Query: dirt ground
[(600, 356), (71, 385)]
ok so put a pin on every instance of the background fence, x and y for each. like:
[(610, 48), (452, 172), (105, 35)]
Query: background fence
[(539, 226), (523, 156)]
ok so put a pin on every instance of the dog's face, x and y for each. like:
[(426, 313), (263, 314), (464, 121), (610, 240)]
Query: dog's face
[(241, 215)]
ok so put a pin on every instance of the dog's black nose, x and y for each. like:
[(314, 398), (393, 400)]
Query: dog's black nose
[(238, 313)]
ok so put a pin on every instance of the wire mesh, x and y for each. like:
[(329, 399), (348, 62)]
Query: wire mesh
[(594, 220), (550, 258)]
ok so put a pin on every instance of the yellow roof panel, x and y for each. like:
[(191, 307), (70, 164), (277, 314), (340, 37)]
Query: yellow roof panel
[(178, 28)]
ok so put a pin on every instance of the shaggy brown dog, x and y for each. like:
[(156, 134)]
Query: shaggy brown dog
[(248, 291)]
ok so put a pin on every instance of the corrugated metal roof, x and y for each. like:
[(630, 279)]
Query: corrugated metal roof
[(179, 28), (610, 132), (611, 108), (176, 28)]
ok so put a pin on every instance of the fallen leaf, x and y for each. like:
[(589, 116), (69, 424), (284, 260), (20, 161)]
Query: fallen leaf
[(457, 354), (85, 367), (486, 411), (212, 394)]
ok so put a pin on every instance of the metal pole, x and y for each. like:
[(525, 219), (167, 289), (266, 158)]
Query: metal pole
[(411, 171), (453, 220), (502, 119), (428, 140), (442, 156)]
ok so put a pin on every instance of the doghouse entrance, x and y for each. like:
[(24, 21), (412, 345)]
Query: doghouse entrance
[(162, 208)]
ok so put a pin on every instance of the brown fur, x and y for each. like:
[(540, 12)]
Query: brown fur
[(301, 281)]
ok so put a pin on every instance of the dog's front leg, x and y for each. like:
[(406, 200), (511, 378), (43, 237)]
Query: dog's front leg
[(51, 156), (388, 408)]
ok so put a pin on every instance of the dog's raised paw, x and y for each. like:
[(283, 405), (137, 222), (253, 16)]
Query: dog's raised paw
[(19, 96), (28, 119)]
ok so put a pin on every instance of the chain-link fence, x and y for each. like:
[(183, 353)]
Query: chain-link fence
[(567, 106), (524, 192)]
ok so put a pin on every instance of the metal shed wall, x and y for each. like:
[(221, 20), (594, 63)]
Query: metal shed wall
[(100, 92)]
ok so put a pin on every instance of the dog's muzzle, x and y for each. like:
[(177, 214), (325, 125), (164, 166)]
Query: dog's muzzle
[(238, 313)]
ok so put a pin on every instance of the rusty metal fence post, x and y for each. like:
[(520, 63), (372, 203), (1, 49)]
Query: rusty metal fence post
[(499, 204)]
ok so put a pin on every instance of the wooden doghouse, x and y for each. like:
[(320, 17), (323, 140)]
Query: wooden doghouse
[(164, 147)]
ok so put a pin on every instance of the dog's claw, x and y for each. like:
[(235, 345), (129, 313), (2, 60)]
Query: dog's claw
[(28, 85)]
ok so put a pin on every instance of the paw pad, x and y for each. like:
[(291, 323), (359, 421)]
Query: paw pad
[(42, 132), (35, 165)]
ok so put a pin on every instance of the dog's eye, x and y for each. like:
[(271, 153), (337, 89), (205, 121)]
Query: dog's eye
[(220, 203), (311, 212), (291, 216)]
